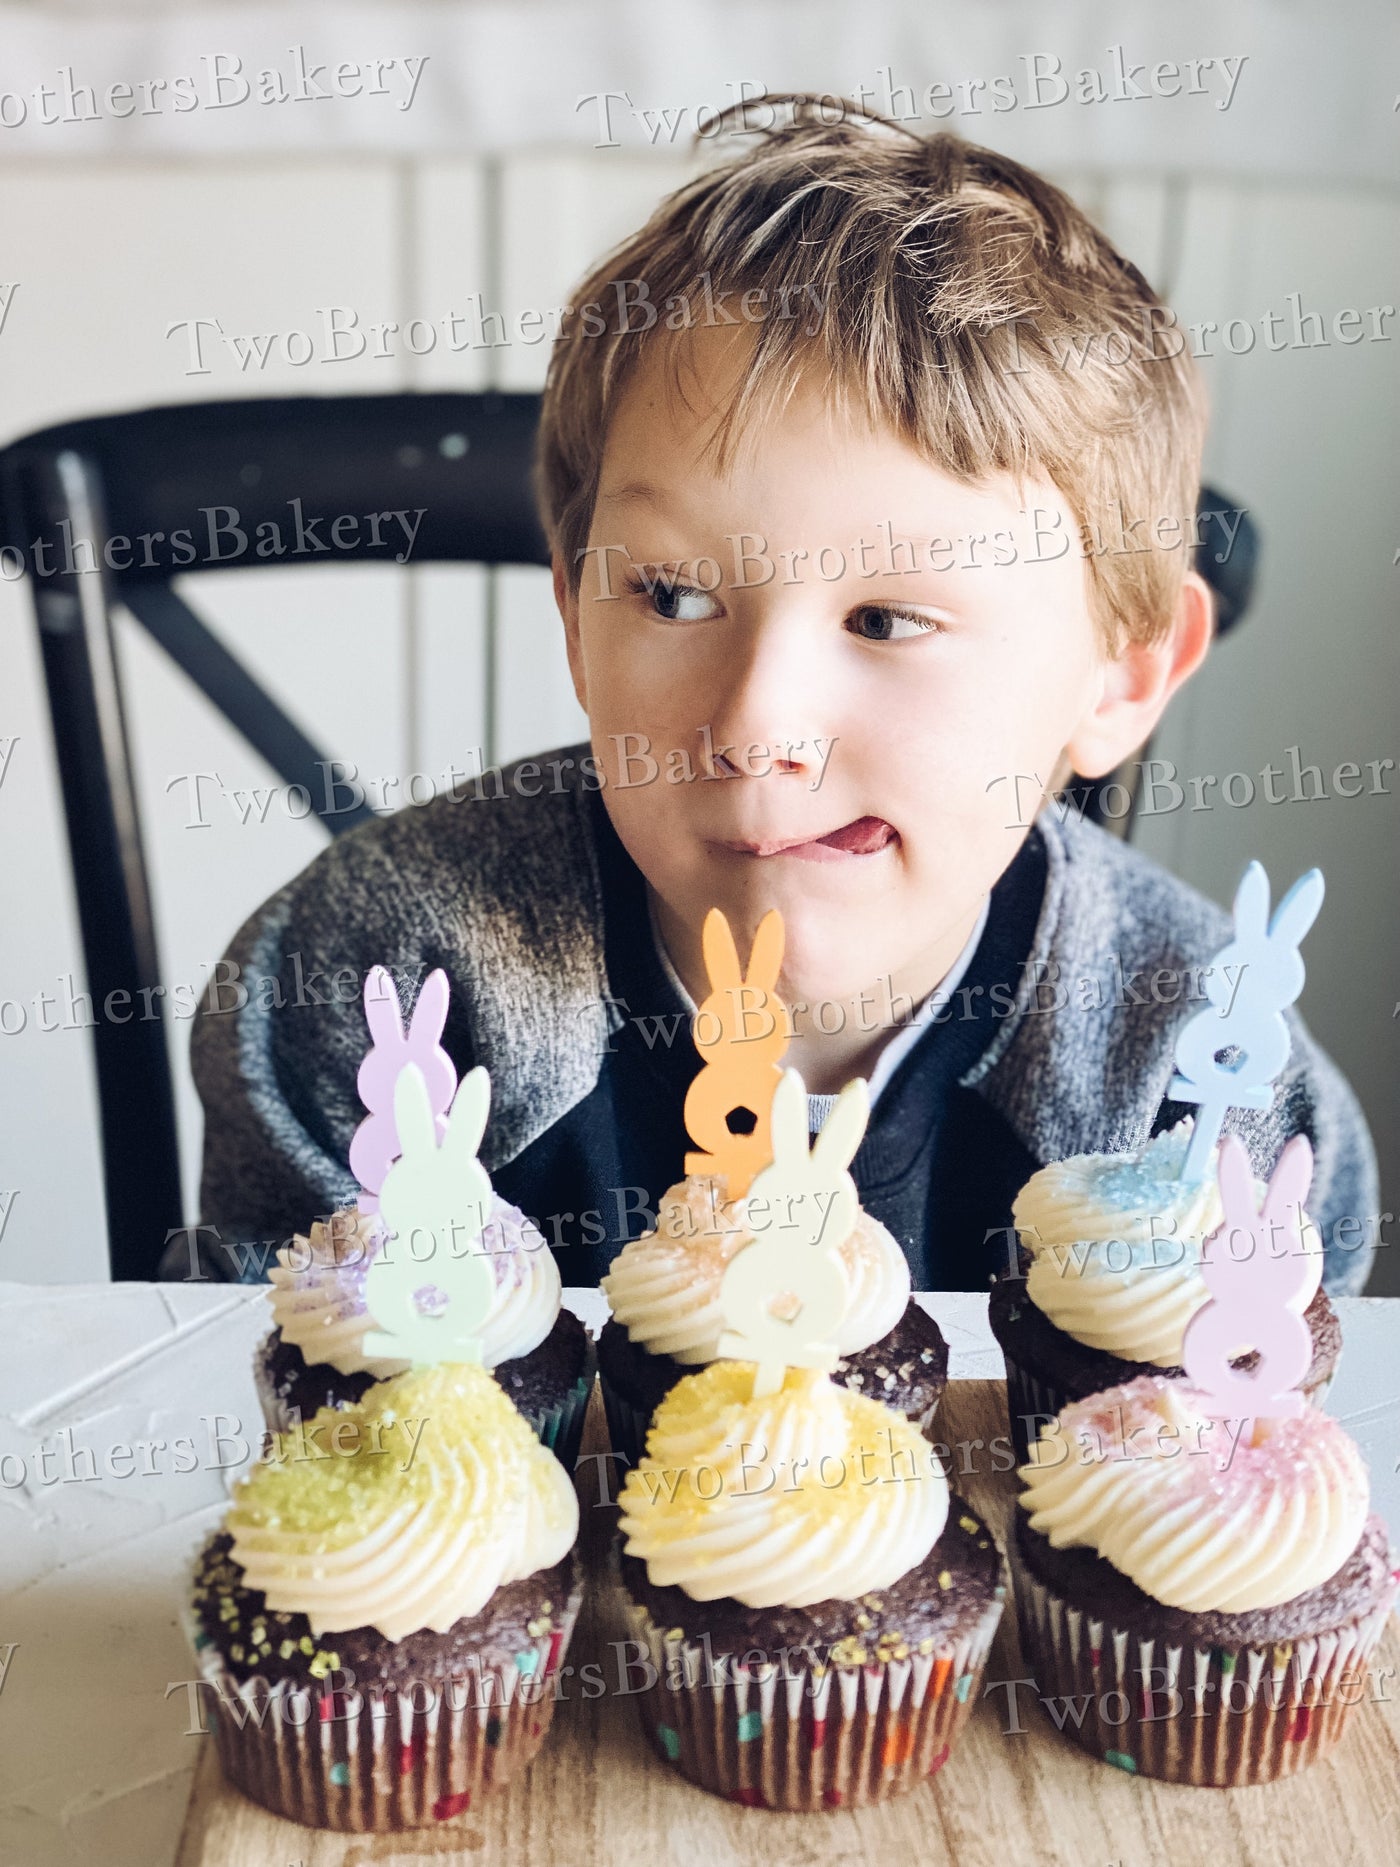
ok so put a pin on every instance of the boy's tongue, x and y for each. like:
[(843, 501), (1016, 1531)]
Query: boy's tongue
[(861, 838)]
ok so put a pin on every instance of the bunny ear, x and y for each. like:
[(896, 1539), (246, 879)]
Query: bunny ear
[(766, 959), (1252, 903), (466, 1123), (844, 1128), (382, 1013), (413, 1114), (1298, 909), (429, 1013), (1290, 1179), (789, 1120), (721, 955), (1236, 1178)]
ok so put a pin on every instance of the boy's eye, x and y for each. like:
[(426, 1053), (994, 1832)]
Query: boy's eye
[(678, 602), (879, 623)]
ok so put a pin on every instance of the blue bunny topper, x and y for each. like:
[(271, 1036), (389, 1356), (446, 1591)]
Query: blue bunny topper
[(1264, 955)]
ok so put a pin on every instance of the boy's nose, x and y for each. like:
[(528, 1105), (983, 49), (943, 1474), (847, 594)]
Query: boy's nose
[(775, 695)]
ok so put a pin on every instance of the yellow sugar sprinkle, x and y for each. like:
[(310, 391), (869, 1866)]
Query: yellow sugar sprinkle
[(970, 1524), (945, 1580)]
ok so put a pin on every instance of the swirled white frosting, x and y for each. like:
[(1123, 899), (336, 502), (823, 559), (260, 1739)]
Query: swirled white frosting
[(664, 1286), (401, 1530), (1116, 1242), (318, 1290), (1208, 1515), (809, 1494)]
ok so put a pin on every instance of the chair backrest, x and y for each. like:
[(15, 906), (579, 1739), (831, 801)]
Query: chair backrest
[(106, 512)]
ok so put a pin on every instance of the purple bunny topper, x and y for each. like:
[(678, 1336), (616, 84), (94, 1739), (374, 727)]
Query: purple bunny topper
[(375, 1145)]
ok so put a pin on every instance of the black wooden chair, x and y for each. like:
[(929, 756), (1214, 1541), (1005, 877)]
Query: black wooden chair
[(104, 513)]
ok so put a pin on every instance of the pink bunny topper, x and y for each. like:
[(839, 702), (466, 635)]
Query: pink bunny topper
[(375, 1145), (1257, 1300)]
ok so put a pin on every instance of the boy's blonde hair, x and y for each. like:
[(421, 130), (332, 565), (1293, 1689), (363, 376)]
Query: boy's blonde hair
[(956, 292)]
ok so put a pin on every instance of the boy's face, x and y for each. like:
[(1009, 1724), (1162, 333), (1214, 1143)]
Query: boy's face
[(846, 732)]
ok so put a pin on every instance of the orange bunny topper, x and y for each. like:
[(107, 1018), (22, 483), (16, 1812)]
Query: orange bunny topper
[(741, 1031)]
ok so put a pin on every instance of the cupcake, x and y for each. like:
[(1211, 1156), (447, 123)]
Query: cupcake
[(381, 1619), (315, 1357), (1111, 1274), (664, 1292), (817, 1605), (1198, 1595)]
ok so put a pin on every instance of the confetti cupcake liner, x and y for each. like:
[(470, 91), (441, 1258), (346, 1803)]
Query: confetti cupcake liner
[(1226, 1716), (628, 1427), (1032, 1401), (784, 1735), (559, 1427), (326, 1753)]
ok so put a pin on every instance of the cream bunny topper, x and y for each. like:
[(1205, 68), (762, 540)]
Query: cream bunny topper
[(800, 1208), (740, 1030), (435, 1201)]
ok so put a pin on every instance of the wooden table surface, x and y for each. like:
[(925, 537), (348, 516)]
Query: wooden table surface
[(95, 1766), (1013, 1794)]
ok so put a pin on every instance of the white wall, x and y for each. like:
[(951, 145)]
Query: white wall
[(113, 239)]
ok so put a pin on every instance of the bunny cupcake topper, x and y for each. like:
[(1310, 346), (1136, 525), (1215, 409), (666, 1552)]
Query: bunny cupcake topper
[(740, 1032), (801, 1207), (1267, 970), (435, 1200), (1258, 1292), (375, 1143)]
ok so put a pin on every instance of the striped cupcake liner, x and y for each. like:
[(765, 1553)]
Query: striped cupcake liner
[(1223, 1716), (559, 1427), (628, 1427), (1032, 1401), (328, 1755), (784, 1734)]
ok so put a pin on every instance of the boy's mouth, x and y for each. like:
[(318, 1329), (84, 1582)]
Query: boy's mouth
[(865, 837)]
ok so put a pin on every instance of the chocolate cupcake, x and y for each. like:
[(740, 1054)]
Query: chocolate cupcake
[(817, 1621), (1200, 1597), (666, 1322), (381, 1619), (539, 1352), (1111, 1274)]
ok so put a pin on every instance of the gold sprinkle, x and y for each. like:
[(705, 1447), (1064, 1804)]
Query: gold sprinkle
[(970, 1524), (306, 1644), (235, 1653), (863, 1621), (944, 1579), (287, 1649)]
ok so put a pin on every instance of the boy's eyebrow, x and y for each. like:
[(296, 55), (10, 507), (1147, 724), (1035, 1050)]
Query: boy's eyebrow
[(639, 491)]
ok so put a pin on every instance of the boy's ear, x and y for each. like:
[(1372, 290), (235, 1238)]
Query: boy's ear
[(1139, 681), (567, 603)]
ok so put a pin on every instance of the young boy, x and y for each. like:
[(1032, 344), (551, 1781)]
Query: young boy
[(848, 555)]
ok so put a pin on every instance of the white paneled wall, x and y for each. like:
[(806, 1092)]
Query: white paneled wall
[(389, 669)]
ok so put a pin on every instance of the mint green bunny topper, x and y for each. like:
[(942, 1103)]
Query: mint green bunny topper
[(1270, 972), (795, 1257), (442, 1191)]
